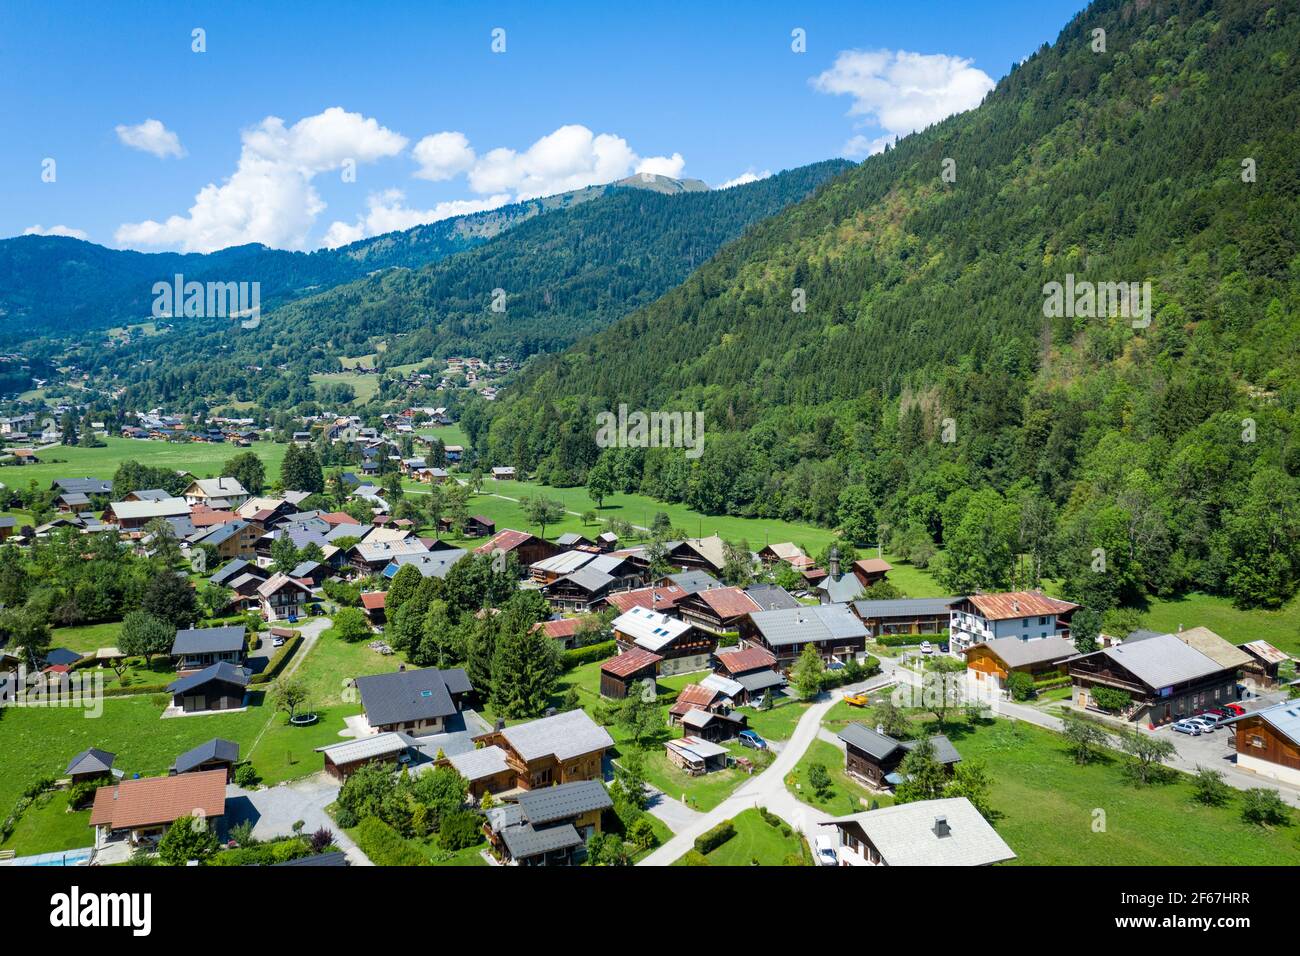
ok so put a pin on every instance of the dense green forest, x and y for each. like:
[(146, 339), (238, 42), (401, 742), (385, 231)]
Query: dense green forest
[(924, 396), (566, 273)]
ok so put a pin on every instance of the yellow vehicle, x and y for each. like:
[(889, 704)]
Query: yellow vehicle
[(857, 700)]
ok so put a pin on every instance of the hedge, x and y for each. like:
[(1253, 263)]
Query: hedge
[(277, 661), (907, 640), (710, 841), (589, 654), (384, 845)]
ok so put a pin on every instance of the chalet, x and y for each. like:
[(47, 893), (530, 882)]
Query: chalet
[(282, 598), (583, 589), (1265, 661), (715, 726), (83, 486), (269, 513), (628, 673), (565, 630), (871, 571), (147, 494), (374, 604), (873, 756), (666, 636), (1028, 615), (753, 669), (219, 687), (557, 566), (661, 598), (485, 769), (1165, 678), (243, 587), (786, 551), (697, 697), (947, 832), (215, 754), (72, 502), (572, 539), (606, 541), (232, 539), (141, 810), (130, 515), (503, 474), (1268, 741), (830, 628), (691, 581), (91, 764), (527, 548), (904, 616), (698, 554), (717, 610), (311, 573), (230, 571), (478, 526), (547, 827), (342, 760), (413, 701), (217, 493), (194, 648), (7, 525), (695, 756), (771, 597), (430, 564), (992, 662), (376, 552), (551, 750)]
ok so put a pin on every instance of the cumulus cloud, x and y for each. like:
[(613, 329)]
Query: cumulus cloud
[(901, 92), (387, 212), (270, 198), (151, 136), (443, 156), (748, 176), (39, 230), (568, 158)]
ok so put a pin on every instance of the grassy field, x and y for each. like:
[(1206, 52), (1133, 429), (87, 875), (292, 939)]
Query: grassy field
[(759, 843), (364, 386), (47, 827), (87, 637), (777, 723), (1280, 628), (204, 459), (845, 795)]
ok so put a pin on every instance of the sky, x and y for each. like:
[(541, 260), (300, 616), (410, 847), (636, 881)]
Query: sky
[(309, 125)]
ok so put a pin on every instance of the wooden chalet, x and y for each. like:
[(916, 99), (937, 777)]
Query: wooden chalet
[(550, 750), (1268, 741), (718, 610), (215, 754), (628, 672), (527, 548), (873, 756)]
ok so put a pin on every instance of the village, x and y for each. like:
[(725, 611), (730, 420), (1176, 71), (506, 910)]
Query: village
[(350, 665)]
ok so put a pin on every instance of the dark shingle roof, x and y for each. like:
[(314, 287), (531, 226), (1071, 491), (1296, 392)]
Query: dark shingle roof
[(85, 486), (91, 760), (61, 655), (564, 802), (868, 741), (209, 640), (524, 841), (337, 858), (233, 569), (411, 695), (214, 749), (225, 671)]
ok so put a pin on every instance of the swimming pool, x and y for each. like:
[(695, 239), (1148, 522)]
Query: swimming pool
[(60, 858)]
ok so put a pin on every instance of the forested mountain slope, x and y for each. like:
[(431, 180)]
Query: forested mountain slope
[(925, 392), (572, 271)]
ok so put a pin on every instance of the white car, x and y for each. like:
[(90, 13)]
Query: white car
[(927, 647), (826, 855), (1206, 724), (1187, 727)]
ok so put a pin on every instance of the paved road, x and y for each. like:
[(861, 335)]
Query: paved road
[(274, 810)]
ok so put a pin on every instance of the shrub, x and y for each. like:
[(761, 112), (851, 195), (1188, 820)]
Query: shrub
[(322, 840), (710, 841), (384, 845), (277, 661), (246, 776), (1020, 686), (642, 834), (1111, 699), (1264, 807), (459, 830), (586, 655), (695, 858)]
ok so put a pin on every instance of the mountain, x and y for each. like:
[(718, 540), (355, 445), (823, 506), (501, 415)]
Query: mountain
[(931, 390), (594, 256), (58, 283)]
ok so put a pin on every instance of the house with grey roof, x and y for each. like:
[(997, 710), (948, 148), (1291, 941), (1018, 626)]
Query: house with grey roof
[(416, 702), (198, 647), (947, 832), (219, 687), (905, 615), (91, 764), (874, 757), (214, 754), (548, 826), (1267, 741), (831, 629), (558, 749)]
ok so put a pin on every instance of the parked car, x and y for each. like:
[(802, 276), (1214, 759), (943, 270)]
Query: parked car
[(857, 700), (1236, 709), (943, 648), (277, 641), (927, 647), (1187, 727), (749, 738), (826, 855), (1205, 723)]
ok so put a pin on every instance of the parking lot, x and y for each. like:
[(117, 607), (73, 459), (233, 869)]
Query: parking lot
[(1215, 749)]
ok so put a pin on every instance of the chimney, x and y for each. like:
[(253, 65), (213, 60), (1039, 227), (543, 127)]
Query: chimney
[(941, 828), (835, 564), (880, 729), (500, 724)]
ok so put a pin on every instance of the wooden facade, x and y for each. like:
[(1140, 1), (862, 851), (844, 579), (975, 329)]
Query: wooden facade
[(1265, 750), (1157, 705)]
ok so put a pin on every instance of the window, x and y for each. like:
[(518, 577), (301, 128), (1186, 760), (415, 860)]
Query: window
[(1257, 741)]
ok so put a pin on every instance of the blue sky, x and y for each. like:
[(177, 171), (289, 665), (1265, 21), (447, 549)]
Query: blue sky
[(709, 93)]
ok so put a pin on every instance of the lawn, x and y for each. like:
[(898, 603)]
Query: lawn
[(845, 795), (757, 842), (364, 386), (38, 742), (777, 723), (1280, 628), (1055, 812), (47, 827), (87, 638), (204, 459)]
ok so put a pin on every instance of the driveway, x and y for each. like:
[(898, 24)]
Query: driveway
[(274, 810)]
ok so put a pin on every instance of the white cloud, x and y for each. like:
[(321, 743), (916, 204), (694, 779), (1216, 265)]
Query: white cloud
[(571, 157), (749, 176), (387, 212), (901, 92), (442, 156), (270, 198), (151, 136), (39, 230)]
